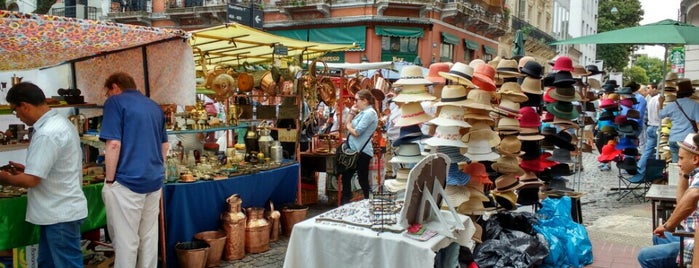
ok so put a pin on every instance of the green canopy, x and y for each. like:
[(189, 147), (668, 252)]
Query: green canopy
[(450, 39), (665, 32), (407, 32)]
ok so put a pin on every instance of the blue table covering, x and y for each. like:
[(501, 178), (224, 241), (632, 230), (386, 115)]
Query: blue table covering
[(195, 207)]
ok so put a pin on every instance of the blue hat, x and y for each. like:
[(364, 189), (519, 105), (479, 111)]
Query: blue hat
[(625, 143), (409, 134), (456, 176), (453, 152)]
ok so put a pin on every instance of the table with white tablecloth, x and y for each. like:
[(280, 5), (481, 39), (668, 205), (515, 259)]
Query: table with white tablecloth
[(334, 244)]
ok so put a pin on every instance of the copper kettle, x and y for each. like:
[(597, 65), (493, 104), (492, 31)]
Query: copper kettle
[(16, 79)]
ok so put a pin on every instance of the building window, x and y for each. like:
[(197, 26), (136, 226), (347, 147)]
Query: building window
[(398, 48), (468, 54), (446, 53)]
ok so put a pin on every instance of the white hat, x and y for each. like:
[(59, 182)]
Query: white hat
[(450, 116), (457, 194), (413, 93), (460, 73), (446, 136), (412, 75), (453, 95), (479, 99), (400, 182), (480, 150), (407, 153)]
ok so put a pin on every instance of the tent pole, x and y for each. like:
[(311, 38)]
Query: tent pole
[(657, 142)]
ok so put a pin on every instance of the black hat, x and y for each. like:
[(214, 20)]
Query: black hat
[(610, 86), (528, 196), (533, 100), (561, 169), (532, 69), (562, 140), (563, 79), (531, 150), (606, 115), (548, 79), (633, 85), (630, 151), (625, 90), (593, 69)]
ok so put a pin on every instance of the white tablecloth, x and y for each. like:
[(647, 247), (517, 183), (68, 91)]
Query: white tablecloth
[(334, 245)]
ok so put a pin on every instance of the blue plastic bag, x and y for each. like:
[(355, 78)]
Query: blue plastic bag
[(569, 244)]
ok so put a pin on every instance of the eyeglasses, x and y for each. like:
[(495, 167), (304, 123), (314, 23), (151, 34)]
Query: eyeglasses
[(13, 109)]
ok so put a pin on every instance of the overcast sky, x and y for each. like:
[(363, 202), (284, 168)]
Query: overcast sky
[(657, 10)]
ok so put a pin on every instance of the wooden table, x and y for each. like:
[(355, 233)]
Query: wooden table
[(662, 198)]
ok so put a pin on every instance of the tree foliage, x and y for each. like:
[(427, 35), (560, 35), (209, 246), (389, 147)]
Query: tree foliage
[(629, 14), (637, 74), (43, 6), (653, 67)]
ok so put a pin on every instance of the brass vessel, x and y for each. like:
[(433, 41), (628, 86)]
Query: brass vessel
[(234, 226), (256, 231)]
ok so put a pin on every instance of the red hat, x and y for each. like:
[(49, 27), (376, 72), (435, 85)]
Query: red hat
[(477, 172), (563, 63), (433, 73), (547, 95), (609, 152), (529, 118), (620, 119), (608, 103), (537, 164), (547, 117), (483, 77), (626, 102)]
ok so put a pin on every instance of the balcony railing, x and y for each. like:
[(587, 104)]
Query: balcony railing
[(533, 32), (300, 3), (79, 11)]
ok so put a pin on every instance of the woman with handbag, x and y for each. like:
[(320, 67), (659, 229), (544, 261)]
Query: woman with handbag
[(684, 114), (362, 122)]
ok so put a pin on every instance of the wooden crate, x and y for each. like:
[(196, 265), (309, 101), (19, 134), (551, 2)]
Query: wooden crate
[(309, 194)]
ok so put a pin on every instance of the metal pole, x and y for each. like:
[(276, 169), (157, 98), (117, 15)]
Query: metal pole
[(657, 148)]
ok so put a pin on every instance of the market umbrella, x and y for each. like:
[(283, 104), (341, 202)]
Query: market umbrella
[(518, 48)]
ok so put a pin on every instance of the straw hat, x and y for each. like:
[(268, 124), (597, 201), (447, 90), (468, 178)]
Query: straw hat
[(564, 123), (510, 146), (460, 73), (413, 93), (407, 153), (453, 95), (508, 124), (482, 131), (412, 114), (564, 94), (494, 62), (433, 73), (446, 136), (511, 91), (450, 116), (507, 182), (579, 71), (475, 63), (594, 83), (689, 144), (480, 150), (412, 75), (400, 182), (456, 195), (508, 108), (508, 165), (529, 134), (507, 69), (532, 86), (479, 99), (472, 115), (530, 180), (671, 77)]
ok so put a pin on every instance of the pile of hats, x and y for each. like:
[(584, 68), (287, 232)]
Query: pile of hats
[(609, 109), (629, 126), (663, 144)]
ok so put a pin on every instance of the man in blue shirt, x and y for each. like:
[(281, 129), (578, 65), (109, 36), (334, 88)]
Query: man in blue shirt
[(133, 129)]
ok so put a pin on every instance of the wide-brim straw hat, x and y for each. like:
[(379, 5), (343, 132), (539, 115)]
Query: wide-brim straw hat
[(508, 108), (412, 75), (510, 145), (508, 165), (480, 150), (532, 86), (511, 91), (508, 123), (400, 182), (450, 116), (412, 114), (529, 134), (446, 136), (482, 131), (407, 153), (579, 71), (472, 115), (506, 199), (479, 99), (453, 95), (460, 73), (413, 93), (456, 195)]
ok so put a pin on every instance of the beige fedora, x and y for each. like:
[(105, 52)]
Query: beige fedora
[(477, 115), (508, 69), (530, 134), (479, 99), (480, 150), (579, 71), (482, 131), (511, 91), (671, 77), (510, 146), (532, 86), (524, 61), (412, 75), (508, 124), (507, 182), (508, 108), (413, 93), (450, 116), (412, 114), (508, 165), (460, 73), (453, 95), (446, 136)]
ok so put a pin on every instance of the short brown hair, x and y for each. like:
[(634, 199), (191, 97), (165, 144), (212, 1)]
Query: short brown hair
[(121, 79)]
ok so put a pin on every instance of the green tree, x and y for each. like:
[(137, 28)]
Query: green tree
[(628, 14), (653, 67), (635, 73), (43, 6)]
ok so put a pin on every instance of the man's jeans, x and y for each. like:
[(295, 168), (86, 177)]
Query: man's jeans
[(649, 150), (674, 150), (663, 253), (59, 245)]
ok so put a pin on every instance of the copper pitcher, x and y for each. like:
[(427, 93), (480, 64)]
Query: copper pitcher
[(16, 79), (234, 226), (256, 231)]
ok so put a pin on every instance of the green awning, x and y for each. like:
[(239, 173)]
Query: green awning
[(450, 39), (471, 45), (340, 35), (490, 50), (407, 32), (298, 34)]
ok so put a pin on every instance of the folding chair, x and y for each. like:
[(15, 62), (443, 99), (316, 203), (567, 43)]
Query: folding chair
[(639, 184)]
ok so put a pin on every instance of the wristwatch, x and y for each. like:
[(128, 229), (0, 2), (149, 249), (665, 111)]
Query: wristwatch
[(668, 229)]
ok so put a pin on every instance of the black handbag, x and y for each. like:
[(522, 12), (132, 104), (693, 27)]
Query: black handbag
[(346, 159)]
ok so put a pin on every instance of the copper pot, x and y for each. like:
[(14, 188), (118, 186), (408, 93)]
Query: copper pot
[(234, 226), (256, 231)]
